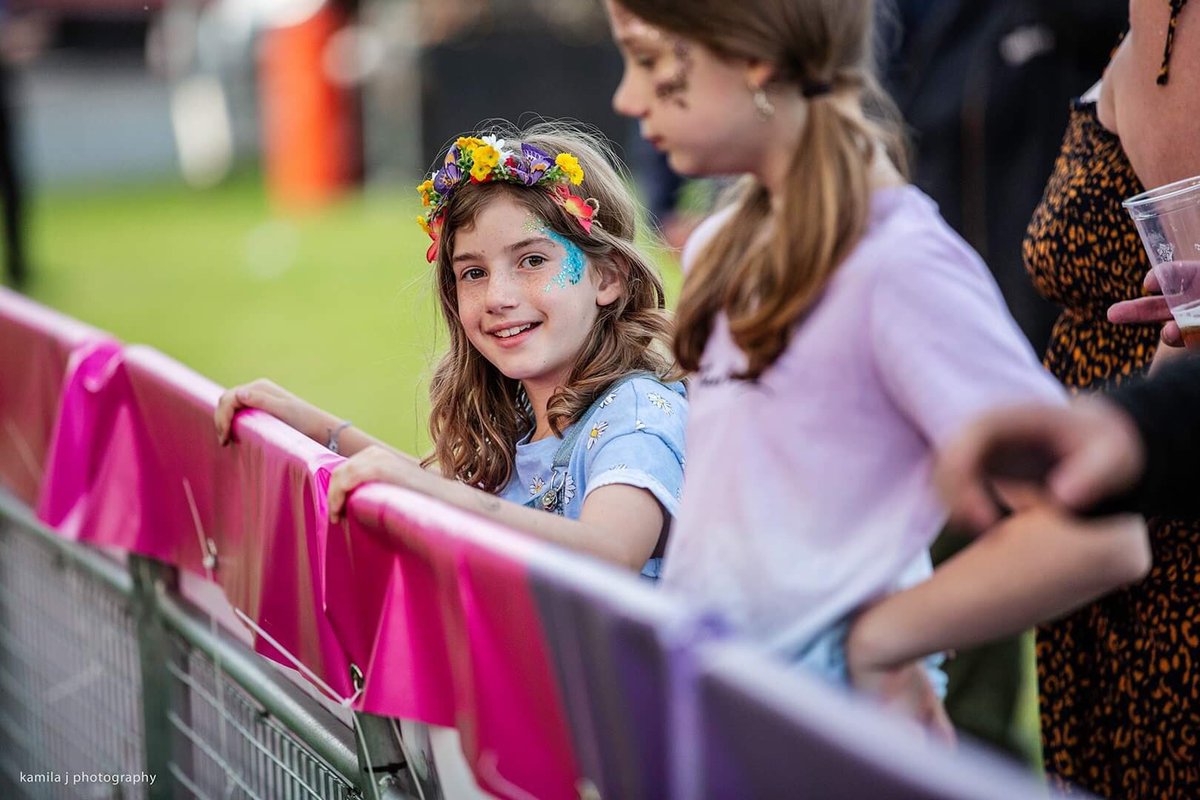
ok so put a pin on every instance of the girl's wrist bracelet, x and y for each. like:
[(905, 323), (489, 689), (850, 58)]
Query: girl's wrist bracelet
[(332, 444)]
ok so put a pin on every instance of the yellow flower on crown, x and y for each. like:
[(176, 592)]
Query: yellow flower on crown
[(426, 189), (485, 160), (468, 142), (424, 223), (569, 164)]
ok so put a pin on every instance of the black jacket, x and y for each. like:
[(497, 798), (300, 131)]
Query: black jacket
[(1166, 410)]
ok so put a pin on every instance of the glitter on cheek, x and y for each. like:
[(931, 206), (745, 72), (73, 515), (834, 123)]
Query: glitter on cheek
[(573, 263)]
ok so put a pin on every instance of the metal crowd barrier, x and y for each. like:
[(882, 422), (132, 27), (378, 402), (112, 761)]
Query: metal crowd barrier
[(564, 677), (112, 685)]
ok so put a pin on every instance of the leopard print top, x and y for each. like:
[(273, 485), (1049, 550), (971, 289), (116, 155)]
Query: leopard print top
[(1119, 693)]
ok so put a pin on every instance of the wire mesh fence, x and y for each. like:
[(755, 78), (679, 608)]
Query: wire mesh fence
[(109, 689), (70, 703), (229, 747)]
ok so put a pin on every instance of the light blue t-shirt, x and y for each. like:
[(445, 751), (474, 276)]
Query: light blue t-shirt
[(633, 437)]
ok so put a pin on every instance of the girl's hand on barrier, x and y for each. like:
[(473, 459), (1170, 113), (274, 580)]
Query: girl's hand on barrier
[(377, 463), (276, 401), (1152, 309)]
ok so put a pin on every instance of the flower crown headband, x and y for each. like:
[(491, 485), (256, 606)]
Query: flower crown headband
[(485, 159)]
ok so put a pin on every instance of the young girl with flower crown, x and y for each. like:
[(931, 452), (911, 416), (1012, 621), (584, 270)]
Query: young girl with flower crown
[(839, 332), (552, 395)]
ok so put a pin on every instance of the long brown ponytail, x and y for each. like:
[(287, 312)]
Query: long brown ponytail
[(765, 286)]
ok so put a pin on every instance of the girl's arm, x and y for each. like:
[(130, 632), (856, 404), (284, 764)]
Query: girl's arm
[(313, 422), (619, 523), (1037, 565)]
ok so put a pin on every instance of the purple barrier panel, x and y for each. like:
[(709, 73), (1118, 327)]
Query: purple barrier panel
[(135, 465), (36, 345), (767, 731), (615, 641), (484, 634)]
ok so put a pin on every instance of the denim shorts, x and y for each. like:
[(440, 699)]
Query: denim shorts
[(826, 657), (652, 571)]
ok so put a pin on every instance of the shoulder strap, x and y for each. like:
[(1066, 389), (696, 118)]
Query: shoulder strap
[(563, 455)]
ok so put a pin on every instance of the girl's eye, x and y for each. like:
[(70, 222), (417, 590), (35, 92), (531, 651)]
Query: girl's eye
[(534, 261), (645, 62), (471, 274)]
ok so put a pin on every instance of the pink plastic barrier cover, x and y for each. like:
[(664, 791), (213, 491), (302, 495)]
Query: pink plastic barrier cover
[(433, 602), (36, 345), (135, 465), (444, 597)]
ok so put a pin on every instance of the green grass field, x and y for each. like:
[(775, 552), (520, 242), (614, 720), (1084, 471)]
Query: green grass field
[(336, 306)]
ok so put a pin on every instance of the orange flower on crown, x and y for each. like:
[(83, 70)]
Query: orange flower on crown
[(434, 229)]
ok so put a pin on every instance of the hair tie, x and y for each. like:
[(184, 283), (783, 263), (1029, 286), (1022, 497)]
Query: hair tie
[(815, 89)]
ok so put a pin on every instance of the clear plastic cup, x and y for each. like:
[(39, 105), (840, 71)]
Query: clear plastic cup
[(1168, 220)]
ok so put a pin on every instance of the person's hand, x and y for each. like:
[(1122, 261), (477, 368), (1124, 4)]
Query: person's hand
[(1080, 454), (1152, 309), (377, 463), (907, 691), (266, 396)]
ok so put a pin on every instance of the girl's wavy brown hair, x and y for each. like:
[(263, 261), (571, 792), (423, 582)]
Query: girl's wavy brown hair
[(478, 413), (766, 289)]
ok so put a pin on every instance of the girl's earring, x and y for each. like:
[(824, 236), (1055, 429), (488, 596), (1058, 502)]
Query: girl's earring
[(763, 104)]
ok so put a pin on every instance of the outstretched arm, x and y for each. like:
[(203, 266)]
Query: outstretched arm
[(619, 523), (313, 422), (1035, 566)]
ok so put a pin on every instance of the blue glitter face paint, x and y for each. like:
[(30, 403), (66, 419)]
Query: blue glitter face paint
[(574, 262)]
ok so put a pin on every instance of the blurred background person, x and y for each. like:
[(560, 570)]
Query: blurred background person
[(22, 35), (985, 88), (1134, 130)]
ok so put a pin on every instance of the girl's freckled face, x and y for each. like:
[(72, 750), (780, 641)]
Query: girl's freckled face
[(527, 299)]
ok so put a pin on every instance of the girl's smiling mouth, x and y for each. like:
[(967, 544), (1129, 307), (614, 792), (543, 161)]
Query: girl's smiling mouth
[(514, 334)]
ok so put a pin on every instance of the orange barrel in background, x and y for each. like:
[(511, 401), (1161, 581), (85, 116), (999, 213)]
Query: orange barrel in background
[(311, 138)]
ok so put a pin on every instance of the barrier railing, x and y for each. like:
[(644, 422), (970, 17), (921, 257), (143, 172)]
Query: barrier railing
[(109, 677), (563, 677)]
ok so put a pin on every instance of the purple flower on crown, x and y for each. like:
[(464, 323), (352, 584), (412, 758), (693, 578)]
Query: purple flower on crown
[(538, 160), (517, 169), (447, 178)]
